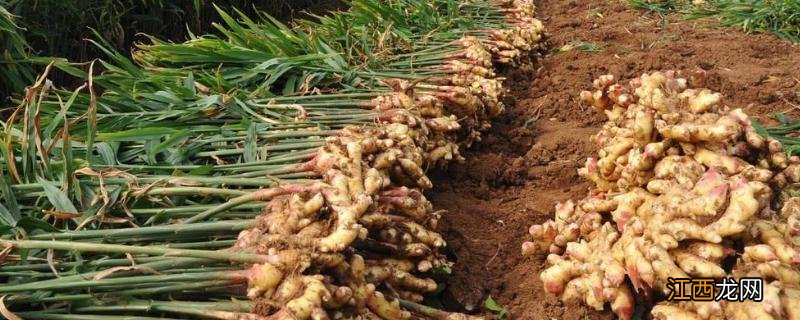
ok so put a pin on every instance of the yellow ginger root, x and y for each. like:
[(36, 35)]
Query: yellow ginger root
[(590, 171), (320, 223), (791, 303), (727, 164), (587, 274), (769, 235), (791, 213), (667, 311), (701, 100), (310, 301), (552, 236), (682, 169), (709, 194), (772, 305), (627, 204), (696, 266), (742, 206), (687, 310), (712, 252), (725, 128), (389, 310), (661, 186), (777, 271), (645, 159), (779, 298), (609, 155), (657, 91), (263, 278)]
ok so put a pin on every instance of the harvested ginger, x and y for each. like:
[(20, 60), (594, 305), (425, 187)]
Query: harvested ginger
[(680, 182)]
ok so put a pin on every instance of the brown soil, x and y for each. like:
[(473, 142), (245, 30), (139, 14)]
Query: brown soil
[(528, 162)]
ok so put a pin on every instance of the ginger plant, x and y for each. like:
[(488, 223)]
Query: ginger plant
[(345, 230)]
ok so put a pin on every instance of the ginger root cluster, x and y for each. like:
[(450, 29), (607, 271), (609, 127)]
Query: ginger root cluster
[(684, 187)]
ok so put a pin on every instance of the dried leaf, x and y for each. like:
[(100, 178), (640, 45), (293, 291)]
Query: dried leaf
[(114, 220), (185, 182), (5, 312), (105, 273), (59, 215), (4, 254), (50, 253)]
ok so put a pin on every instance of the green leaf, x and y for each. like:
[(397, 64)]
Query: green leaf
[(445, 269), (5, 229), (123, 62), (782, 118), (135, 135), (57, 197), (149, 146), (6, 218), (172, 140), (23, 254), (202, 170), (8, 196), (48, 132), (41, 294), (31, 224), (106, 153), (157, 218), (189, 83), (210, 100), (113, 196), (492, 306)]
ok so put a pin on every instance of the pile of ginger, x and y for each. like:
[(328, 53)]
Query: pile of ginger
[(361, 242), (684, 187)]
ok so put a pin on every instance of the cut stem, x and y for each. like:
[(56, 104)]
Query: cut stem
[(171, 229), (153, 251)]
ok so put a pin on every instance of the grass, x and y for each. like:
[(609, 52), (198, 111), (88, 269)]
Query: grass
[(785, 132), (663, 39), (581, 45), (14, 75), (661, 7), (59, 28), (778, 17)]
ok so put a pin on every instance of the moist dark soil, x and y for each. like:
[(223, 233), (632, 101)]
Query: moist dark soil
[(528, 162)]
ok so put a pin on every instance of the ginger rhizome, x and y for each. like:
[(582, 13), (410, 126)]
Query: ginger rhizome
[(684, 187), (363, 239)]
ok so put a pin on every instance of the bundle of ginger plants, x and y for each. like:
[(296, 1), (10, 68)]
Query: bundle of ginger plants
[(369, 230), (684, 187), (346, 231)]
